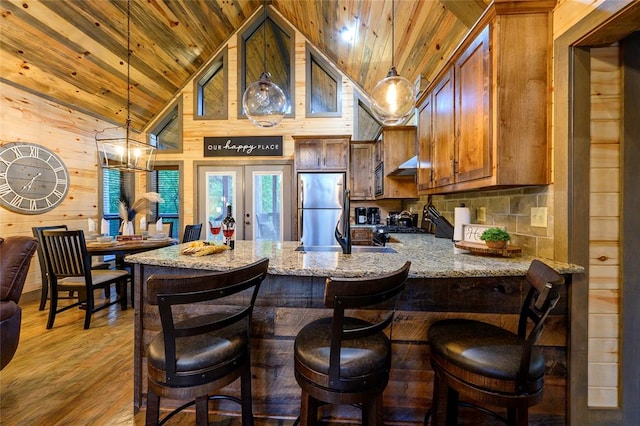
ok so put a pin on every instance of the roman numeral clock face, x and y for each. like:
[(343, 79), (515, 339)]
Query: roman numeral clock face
[(33, 179)]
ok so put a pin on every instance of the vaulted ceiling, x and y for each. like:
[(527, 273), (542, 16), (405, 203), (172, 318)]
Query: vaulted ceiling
[(75, 51)]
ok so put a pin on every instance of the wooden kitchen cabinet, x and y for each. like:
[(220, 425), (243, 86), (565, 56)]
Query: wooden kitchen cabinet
[(425, 138), (322, 153), (443, 132), (396, 145), (484, 121), (361, 171)]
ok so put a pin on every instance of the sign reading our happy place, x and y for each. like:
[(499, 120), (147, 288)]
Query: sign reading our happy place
[(243, 146)]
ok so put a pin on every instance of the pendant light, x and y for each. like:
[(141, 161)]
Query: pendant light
[(263, 101), (393, 98), (123, 148)]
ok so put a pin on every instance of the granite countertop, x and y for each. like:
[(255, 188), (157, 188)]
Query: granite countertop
[(430, 258)]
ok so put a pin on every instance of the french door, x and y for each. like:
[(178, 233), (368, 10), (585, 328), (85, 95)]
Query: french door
[(260, 198)]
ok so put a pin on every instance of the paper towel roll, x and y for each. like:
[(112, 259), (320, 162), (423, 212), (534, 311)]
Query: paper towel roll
[(461, 216)]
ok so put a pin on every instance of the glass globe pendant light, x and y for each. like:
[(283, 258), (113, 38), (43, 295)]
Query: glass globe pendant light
[(263, 101), (393, 98)]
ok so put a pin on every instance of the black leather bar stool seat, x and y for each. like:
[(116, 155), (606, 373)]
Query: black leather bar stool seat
[(491, 365), (346, 359), (202, 350)]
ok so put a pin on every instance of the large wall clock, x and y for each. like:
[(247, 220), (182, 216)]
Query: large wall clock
[(33, 179)]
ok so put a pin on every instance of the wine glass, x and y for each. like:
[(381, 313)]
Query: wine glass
[(215, 226)]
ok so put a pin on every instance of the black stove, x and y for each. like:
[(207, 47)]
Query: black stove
[(395, 229)]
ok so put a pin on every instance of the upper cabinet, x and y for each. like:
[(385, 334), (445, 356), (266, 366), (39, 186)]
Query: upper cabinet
[(484, 121), (394, 147), (361, 171), (329, 153)]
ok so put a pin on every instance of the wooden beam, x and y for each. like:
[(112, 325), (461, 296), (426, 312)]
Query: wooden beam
[(467, 11)]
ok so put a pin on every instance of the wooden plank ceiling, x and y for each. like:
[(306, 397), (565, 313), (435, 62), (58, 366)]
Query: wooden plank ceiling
[(75, 51)]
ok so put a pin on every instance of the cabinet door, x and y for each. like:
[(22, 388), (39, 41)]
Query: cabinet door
[(443, 132), (336, 154), (472, 111), (361, 171), (425, 141), (309, 154)]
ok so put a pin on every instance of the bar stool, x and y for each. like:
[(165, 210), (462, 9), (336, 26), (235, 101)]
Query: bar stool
[(199, 352), (491, 365), (345, 359)]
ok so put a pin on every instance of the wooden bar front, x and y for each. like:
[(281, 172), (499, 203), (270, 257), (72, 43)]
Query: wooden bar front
[(286, 303)]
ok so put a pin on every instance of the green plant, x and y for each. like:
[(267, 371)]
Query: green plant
[(495, 234)]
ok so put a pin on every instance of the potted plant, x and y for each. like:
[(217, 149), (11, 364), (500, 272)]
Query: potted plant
[(495, 238)]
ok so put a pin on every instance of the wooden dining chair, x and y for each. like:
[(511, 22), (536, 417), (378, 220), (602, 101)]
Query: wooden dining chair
[(191, 233), (167, 228), (196, 355), (44, 274), (69, 270)]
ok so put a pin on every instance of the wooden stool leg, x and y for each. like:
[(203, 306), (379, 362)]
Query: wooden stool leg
[(372, 412), (439, 406), (153, 409), (518, 416), (245, 395), (202, 410), (452, 407), (308, 410)]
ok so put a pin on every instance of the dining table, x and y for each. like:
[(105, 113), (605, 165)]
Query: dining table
[(123, 248)]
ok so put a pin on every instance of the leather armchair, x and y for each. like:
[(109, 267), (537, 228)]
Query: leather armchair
[(15, 260)]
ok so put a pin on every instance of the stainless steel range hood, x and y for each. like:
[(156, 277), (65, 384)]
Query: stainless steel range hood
[(408, 168)]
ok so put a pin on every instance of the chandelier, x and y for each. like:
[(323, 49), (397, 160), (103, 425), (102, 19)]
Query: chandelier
[(393, 98), (263, 101), (124, 148)]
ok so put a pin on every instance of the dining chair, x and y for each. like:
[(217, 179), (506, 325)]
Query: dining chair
[(44, 275), (68, 268), (167, 229), (490, 365), (196, 355), (191, 233), (346, 358)]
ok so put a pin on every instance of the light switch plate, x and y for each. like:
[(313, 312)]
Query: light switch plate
[(482, 214), (539, 217)]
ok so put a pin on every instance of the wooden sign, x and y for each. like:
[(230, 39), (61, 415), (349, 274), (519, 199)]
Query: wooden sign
[(472, 232), (242, 146)]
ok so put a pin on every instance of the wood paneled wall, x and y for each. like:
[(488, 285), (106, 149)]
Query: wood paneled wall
[(29, 118), (604, 228)]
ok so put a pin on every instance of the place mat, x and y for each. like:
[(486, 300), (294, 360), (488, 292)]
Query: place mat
[(481, 248), (107, 244)]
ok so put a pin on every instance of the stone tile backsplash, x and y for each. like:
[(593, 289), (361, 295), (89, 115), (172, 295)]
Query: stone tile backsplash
[(504, 207)]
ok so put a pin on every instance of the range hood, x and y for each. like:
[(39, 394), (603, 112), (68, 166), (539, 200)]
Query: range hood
[(408, 168)]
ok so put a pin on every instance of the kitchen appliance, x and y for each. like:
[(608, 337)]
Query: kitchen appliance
[(403, 219), (320, 204), (361, 215), (378, 180), (373, 215)]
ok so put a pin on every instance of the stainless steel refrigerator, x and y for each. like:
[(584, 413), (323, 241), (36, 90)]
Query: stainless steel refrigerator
[(320, 198)]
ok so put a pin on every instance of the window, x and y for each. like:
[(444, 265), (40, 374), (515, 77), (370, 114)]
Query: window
[(165, 180), (116, 186), (365, 126), (211, 90), (166, 135), (279, 58), (324, 87)]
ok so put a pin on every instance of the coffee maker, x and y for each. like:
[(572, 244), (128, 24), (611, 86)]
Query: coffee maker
[(361, 215), (373, 215)]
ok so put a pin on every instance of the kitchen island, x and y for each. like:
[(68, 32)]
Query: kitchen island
[(441, 284)]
